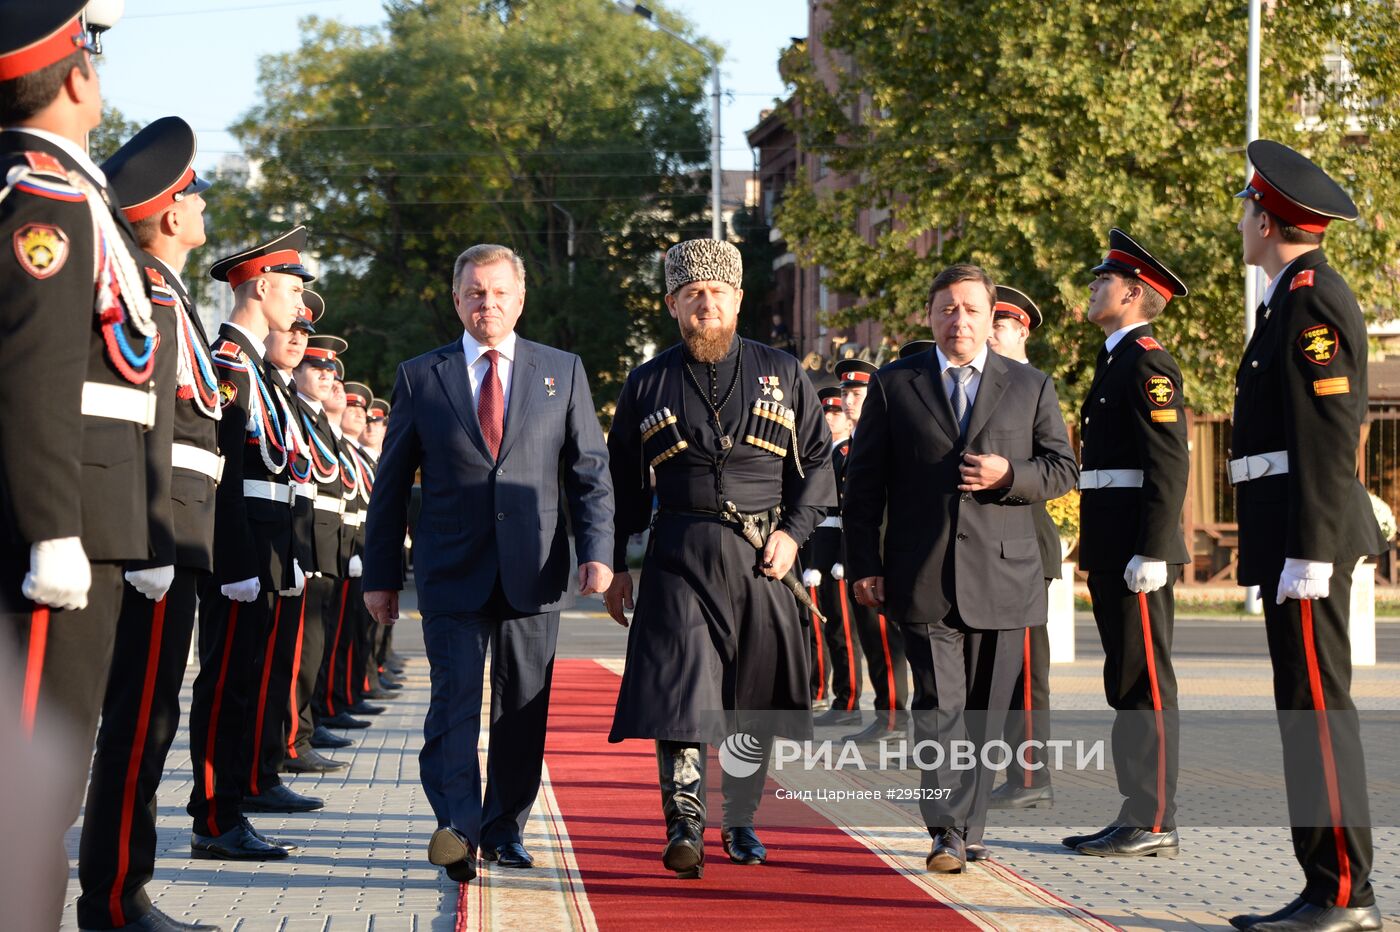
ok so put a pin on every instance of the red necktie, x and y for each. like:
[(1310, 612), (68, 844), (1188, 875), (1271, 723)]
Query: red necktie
[(489, 407)]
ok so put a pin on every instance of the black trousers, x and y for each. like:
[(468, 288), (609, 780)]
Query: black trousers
[(1140, 685), (842, 648), (232, 638), (1029, 718), (331, 694), (271, 713), (358, 650), (140, 716), (1324, 764), (320, 597), (962, 688), (883, 645)]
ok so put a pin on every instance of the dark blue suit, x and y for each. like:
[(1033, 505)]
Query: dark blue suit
[(491, 563)]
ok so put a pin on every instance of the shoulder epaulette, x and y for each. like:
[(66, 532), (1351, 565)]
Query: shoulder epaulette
[(44, 164), (1148, 343), (1302, 280), (154, 277)]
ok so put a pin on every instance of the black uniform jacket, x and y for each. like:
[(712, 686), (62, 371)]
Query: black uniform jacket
[(943, 548), (1301, 389), (325, 452), (1134, 417), (303, 509)]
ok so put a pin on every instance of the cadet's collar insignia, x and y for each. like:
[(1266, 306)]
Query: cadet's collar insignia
[(227, 393), (846, 448), (1318, 344), (1303, 280), (1148, 343), (1160, 390), (46, 164), (769, 386), (550, 387), (155, 277), (41, 249)]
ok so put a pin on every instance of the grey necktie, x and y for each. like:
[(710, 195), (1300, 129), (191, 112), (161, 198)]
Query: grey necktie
[(960, 375)]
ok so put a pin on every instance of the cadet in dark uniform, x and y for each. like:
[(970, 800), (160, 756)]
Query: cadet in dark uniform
[(372, 440), (78, 379), (1014, 316), (1133, 469), (351, 676), (882, 642), (153, 176), (824, 555), (253, 547), (722, 420), (1300, 399)]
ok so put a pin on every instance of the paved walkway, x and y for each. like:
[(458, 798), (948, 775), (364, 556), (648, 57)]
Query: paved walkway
[(362, 863)]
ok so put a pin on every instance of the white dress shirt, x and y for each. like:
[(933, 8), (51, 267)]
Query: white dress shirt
[(71, 149), (977, 364), (477, 366), (1117, 336), (1273, 283)]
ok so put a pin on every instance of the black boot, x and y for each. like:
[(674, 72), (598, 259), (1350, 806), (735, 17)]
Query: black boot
[(681, 772)]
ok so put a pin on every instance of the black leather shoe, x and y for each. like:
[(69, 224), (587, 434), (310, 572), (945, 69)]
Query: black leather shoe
[(286, 846), (1074, 841), (364, 708), (375, 692), (1310, 918), (742, 845), (450, 850), (511, 854), (978, 852), (156, 921), (685, 849), (1009, 796), (237, 844), (949, 853), (1125, 841), (877, 730), (1249, 920), (280, 798), (311, 762), (836, 717), (344, 720), (323, 739), (388, 682)]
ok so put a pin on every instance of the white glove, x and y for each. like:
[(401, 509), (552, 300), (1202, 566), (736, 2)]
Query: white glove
[(812, 578), (245, 591), (1304, 579), (298, 581), (59, 575), (153, 583), (356, 567), (838, 571), (1145, 575)]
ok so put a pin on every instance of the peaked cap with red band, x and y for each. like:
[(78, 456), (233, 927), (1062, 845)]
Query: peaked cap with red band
[(1017, 305), (358, 395), (323, 351), (378, 410), (155, 169), (282, 254), (1288, 185), (914, 347), (855, 373), (36, 35), (831, 398), (1126, 256), (314, 307)]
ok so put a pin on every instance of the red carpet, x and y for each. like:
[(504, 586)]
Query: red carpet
[(609, 798)]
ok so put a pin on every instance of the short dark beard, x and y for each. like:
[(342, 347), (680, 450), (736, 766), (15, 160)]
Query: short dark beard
[(706, 344)]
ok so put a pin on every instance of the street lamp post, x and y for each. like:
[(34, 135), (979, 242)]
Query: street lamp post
[(716, 171)]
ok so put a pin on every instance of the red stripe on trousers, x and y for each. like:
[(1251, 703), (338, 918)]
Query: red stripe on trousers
[(296, 671), (349, 672), (850, 652), (210, 820), (1157, 711), (1329, 761), (889, 669), (1026, 705), (262, 696), (34, 668), (335, 644), (133, 767), (817, 638)]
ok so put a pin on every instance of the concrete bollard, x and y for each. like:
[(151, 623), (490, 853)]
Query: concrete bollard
[(1061, 625), (1363, 615)]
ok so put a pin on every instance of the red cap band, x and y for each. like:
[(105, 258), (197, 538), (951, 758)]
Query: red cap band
[(1154, 279), (164, 199), (353, 400), (315, 352), (43, 53), (833, 403), (247, 271), (856, 375), (1276, 202), (1010, 310)]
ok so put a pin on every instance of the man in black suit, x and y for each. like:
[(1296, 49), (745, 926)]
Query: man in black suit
[(963, 441), (513, 460)]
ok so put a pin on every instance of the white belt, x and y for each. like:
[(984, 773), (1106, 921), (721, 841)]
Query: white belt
[(1258, 466), (330, 503), (270, 491), (119, 403), (1110, 479), (195, 459), (354, 519), (306, 490), (833, 521)]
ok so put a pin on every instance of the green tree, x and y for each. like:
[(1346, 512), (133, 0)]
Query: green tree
[(1022, 139), (111, 133), (461, 122)]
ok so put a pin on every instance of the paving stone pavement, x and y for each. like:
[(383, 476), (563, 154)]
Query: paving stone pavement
[(362, 866)]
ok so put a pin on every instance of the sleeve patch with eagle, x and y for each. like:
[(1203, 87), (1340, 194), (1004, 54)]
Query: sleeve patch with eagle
[(1319, 344), (1160, 390)]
